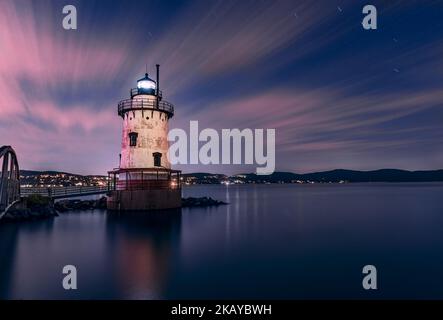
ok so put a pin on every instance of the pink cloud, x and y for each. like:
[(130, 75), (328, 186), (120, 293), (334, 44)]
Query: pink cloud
[(41, 52), (323, 119), (43, 132), (73, 116)]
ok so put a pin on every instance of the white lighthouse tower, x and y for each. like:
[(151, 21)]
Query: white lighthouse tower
[(144, 179)]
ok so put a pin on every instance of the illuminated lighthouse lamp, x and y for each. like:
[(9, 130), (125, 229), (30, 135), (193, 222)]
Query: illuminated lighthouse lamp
[(146, 85)]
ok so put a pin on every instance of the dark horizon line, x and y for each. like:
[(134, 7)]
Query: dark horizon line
[(252, 173)]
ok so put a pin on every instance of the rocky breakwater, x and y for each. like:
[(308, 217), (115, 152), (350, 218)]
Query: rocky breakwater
[(200, 202), (31, 208), (73, 205), (69, 205), (40, 207)]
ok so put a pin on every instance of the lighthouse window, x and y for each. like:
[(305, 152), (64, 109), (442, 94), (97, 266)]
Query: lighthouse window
[(133, 139), (157, 159)]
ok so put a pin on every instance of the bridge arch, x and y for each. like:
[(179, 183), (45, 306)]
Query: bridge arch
[(9, 178)]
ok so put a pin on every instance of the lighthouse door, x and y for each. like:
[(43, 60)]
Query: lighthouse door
[(157, 159)]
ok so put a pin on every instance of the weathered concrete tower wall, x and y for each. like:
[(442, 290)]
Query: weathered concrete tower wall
[(152, 128)]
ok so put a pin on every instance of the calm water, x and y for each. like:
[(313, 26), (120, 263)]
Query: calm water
[(271, 241)]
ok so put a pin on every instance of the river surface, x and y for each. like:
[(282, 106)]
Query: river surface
[(271, 241)]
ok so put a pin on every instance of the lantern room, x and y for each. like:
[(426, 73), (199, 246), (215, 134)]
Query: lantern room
[(146, 85)]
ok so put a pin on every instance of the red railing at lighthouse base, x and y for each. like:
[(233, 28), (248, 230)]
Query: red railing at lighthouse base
[(144, 179)]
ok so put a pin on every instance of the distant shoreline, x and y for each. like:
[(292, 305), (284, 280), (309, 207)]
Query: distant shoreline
[(63, 179)]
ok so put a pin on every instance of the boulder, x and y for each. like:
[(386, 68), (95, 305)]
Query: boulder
[(30, 209), (200, 202), (68, 205)]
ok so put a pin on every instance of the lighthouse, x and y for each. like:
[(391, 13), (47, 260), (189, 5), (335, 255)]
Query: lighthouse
[(144, 179)]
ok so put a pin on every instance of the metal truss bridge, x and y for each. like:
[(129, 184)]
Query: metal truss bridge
[(11, 192)]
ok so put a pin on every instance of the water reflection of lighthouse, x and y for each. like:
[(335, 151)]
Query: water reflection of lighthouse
[(144, 179), (144, 252)]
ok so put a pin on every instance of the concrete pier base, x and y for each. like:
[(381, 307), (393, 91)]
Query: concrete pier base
[(144, 200)]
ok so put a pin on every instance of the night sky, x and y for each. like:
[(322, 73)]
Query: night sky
[(338, 96)]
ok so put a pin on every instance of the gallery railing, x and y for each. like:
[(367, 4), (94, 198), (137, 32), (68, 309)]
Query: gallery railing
[(144, 104)]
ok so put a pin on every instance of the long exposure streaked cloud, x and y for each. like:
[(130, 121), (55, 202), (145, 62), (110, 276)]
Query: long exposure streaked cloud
[(337, 95)]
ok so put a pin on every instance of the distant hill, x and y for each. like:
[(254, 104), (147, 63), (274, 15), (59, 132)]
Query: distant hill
[(383, 175), (204, 178), (203, 175), (30, 173), (36, 173), (30, 178)]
